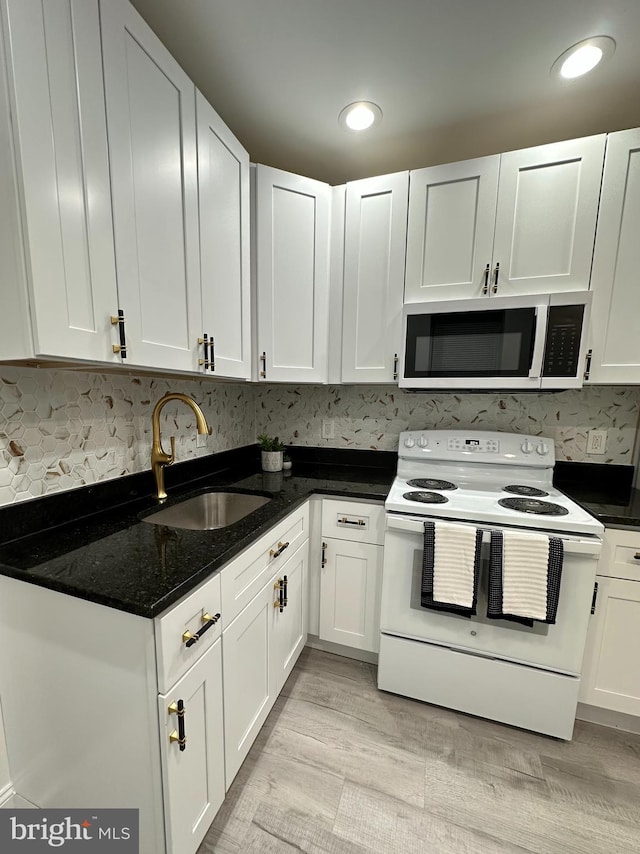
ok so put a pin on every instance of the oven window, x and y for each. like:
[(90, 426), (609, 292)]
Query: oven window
[(471, 343)]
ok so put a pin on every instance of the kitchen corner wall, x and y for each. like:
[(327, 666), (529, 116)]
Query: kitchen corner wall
[(64, 429), (373, 416)]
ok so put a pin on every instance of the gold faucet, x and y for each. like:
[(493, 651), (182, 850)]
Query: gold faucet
[(158, 457)]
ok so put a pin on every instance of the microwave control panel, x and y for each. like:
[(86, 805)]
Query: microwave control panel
[(562, 348)]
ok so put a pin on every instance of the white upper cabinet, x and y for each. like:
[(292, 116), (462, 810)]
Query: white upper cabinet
[(536, 236), (614, 339), (292, 219), (62, 228), (223, 184), (375, 230), (546, 217), (450, 230), (152, 144)]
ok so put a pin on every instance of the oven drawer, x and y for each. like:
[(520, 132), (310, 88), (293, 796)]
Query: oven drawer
[(353, 520), (620, 555)]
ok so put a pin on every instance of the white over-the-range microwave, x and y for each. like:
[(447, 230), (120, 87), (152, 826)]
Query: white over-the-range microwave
[(523, 342)]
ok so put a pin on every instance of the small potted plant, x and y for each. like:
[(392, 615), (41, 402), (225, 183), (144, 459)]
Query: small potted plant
[(272, 452)]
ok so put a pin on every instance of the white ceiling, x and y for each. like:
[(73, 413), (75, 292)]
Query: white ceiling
[(454, 78)]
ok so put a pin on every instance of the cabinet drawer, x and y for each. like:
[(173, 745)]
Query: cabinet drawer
[(245, 576), (353, 520), (173, 655), (620, 555)]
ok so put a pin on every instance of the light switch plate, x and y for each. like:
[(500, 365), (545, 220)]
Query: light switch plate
[(596, 441), (201, 440)]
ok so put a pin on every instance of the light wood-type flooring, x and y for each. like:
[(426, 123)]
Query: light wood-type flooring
[(342, 767)]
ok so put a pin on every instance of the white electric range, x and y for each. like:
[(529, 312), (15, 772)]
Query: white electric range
[(524, 675)]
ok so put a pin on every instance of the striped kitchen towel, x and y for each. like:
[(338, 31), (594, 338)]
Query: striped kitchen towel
[(525, 571), (450, 567)]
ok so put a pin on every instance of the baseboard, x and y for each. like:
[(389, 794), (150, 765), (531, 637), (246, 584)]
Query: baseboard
[(345, 651), (6, 793), (605, 717)]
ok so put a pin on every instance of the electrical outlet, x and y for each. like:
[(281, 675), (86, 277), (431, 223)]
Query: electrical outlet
[(328, 428), (201, 440), (596, 441)]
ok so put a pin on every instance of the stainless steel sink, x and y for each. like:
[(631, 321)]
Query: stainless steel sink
[(208, 511)]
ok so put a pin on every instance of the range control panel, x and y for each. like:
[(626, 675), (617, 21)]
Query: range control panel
[(463, 445), (476, 446)]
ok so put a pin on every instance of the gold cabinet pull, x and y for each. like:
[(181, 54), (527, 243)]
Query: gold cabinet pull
[(280, 601), (118, 320), (277, 552), (189, 638), (177, 708)]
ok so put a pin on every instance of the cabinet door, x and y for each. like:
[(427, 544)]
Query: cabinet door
[(611, 672), (350, 584), (374, 252), (249, 679), (450, 230), (546, 217), (193, 778), (289, 627), (292, 276), (61, 151), (152, 146), (223, 185), (614, 280)]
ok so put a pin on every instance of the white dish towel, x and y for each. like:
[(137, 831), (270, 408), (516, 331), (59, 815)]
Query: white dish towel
[(454, 564), (525, 574)]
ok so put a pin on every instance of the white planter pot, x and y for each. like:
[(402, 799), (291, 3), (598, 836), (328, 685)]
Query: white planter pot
[(272, 460)]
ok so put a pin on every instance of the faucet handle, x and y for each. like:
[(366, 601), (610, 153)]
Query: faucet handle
[(172, 439)]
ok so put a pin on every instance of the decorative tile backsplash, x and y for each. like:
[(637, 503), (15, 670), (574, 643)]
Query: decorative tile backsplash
[(63, 429), (373, 416)]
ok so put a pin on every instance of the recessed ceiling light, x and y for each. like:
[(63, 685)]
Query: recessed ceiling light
[(583, 57), (360, 115)]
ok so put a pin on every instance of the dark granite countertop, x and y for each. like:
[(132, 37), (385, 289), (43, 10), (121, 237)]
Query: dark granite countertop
[(113, 558), (604, 490), (624, 513), (92, 543)]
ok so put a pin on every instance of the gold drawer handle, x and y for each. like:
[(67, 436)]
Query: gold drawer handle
[(277, 552), (636, 556), (189, 638)]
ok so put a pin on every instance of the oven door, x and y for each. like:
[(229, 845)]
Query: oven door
[(557, 647)]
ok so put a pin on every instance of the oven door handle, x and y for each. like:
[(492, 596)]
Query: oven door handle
[(539, 341), (573, 544)]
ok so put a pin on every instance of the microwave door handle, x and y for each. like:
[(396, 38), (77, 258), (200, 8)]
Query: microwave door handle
[(538, 343)]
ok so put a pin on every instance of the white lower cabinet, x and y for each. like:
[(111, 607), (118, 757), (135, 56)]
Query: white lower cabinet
[(260, 648), (350, 594), (611, 673), (351, 574), (140, 716), (192, 751)]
